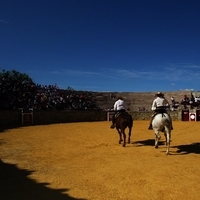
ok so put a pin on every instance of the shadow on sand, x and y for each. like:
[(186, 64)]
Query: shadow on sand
[(149, 142), (181, 149), (15, 184), (188, 148)]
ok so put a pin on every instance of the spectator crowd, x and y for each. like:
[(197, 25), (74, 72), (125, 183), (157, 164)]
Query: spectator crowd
[(192, 102), (15, 95)]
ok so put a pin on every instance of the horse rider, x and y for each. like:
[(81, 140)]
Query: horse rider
[(159, 105), (119, 107)]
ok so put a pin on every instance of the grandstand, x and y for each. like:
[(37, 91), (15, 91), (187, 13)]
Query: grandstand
[(134, 100)]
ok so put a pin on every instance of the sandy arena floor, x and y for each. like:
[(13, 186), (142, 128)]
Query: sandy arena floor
[(84, 161)]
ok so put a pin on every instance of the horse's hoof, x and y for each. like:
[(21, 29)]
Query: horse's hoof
[(156, 147)]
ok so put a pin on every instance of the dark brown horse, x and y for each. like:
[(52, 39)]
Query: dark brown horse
[(123, 121)]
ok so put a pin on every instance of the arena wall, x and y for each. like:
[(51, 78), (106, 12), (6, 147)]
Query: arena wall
[(10, 119), (103, 99)]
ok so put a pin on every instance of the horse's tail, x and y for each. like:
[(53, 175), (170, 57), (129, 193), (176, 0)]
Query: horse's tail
[(165, 114), (130, 120), (167, 118)]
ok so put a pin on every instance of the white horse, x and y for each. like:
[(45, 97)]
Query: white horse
[(162, 122)]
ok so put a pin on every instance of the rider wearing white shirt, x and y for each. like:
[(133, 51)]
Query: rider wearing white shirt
[(159, 105), (119, 106)]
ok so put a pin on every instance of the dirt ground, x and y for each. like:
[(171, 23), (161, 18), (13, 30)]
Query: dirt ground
[(84, 161)]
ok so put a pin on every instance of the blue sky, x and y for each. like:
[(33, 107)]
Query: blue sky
[(103, 45)]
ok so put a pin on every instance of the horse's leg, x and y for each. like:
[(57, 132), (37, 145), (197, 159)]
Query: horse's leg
[(120, 136), (124, 135), (129, 135), (168, 143), (167, 136), (157, 137)]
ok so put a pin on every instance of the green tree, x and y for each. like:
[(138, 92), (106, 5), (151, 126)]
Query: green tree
[(15, 89), (70, 88), (14, 76)]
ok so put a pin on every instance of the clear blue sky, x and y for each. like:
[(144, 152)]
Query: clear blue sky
[(103, 45)]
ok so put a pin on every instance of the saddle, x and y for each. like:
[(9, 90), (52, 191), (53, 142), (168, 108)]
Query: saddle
[(119, 113), (159, 111)]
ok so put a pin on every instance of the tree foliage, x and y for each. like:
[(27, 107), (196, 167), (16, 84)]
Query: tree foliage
[(70, 88), (14, 76)]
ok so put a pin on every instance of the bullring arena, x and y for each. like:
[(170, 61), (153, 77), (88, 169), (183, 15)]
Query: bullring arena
[(83, 160)]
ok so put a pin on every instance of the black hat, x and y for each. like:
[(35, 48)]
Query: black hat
[(159, 94)]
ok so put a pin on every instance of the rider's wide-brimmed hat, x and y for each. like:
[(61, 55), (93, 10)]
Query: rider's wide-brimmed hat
[(158, 94), (120, 97)]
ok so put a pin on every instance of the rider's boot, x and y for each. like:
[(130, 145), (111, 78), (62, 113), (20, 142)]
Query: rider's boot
[(150, 127), (112, 126), (113, 123), (150, 124)]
